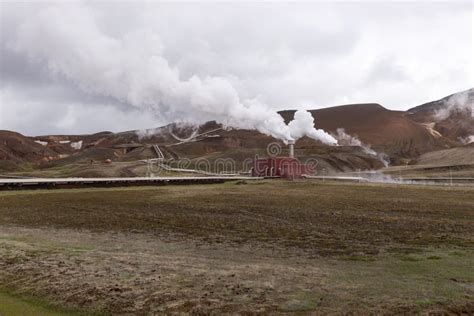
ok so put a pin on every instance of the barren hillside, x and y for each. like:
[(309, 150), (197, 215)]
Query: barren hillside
[(453, 156), (451, 116), (398, 136)]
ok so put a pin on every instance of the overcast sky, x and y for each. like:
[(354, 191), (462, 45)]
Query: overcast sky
[(80, 67)]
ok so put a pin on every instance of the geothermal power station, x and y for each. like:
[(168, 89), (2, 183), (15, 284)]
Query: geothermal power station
[(281, 167), (236, 158)]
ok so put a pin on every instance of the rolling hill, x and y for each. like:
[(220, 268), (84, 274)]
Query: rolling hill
[(391, 132), (16, 150), (397, 136)]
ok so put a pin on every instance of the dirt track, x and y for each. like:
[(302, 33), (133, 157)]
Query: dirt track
[(271, 247)]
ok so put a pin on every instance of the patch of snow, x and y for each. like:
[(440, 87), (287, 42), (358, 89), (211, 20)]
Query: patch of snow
[(41, 142), (77, 145), (467, 140)]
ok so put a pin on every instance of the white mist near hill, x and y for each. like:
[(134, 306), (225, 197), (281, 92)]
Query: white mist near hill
[(133, 70), (459, 102), (345, 139)]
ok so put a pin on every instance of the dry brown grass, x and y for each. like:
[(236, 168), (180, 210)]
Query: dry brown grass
[(320, 219), (271, 246)]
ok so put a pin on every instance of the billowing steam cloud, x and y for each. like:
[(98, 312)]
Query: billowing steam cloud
[(133, 70), (303, 125), (459, 102)]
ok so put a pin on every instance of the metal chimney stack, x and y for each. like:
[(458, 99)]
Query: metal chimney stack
[(291, 148)]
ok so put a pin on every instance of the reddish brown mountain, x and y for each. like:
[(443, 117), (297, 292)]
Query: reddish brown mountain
[(389, 131), (403, 136), (16, 149)]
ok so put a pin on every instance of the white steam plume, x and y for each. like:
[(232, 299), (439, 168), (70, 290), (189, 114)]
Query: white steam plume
[(348, 140), (459, 102), (303, 125), (132, 69)]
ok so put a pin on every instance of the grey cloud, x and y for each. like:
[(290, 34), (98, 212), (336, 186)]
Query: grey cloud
[(285, 55), (387, 69)]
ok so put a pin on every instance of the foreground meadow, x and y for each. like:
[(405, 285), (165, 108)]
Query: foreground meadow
[(269, 247)]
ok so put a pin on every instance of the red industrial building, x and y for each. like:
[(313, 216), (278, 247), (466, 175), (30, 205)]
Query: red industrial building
[(284, 167)]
